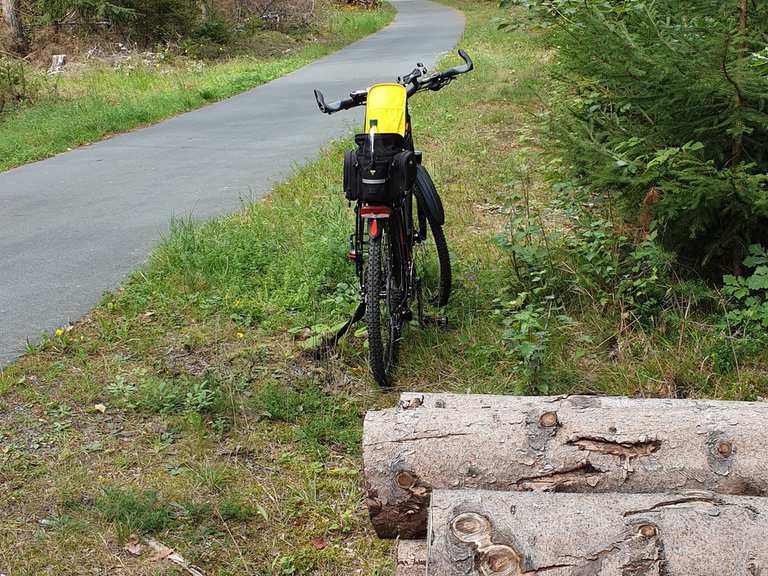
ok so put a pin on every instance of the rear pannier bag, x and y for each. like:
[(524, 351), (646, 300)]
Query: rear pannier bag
[(351, 175), (402, 172), (388, 173)]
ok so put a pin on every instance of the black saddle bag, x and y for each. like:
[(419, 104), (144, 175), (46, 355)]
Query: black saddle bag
[(385, 172)]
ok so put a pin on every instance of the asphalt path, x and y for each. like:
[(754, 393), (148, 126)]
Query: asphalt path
[(73, 226)]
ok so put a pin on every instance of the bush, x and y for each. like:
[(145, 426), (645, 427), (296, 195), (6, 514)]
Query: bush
[(582, 263), (284, 15), (214, 31), (160, 20), (145, 22), (16, 86), (84, 12), (748, 295), (666, 103)]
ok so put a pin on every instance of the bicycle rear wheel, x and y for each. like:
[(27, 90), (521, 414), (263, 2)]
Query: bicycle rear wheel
[(382, 308)]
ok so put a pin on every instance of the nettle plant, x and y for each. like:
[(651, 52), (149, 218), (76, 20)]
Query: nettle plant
[(583, 265), (748, 295)]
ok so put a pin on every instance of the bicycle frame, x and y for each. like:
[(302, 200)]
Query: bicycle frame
[(396, 221)]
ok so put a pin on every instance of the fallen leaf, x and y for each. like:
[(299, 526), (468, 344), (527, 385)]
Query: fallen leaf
[(319, 543), (163, 552), (101, 408), (134, 545)]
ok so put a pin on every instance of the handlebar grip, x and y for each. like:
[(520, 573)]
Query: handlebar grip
[(333, 107), (321, 102), (467, 60), (463, 69)]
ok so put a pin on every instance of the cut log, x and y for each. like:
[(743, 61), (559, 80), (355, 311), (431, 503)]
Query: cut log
[(558, 444), (475, 533), (411, 558)]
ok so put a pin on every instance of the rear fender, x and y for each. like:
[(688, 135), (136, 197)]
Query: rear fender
[(427, 196)]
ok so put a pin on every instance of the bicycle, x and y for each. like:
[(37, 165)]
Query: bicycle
[(398, 246)]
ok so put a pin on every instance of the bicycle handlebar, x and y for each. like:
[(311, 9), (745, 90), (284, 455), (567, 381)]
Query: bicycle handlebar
[(355, 99), (414, 82), (468, 66)]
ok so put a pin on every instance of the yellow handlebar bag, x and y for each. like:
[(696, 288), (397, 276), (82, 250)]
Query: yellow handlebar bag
[(385, 109)]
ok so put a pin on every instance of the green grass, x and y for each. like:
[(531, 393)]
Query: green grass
[(88, 106), (223, 440), (133, 513)]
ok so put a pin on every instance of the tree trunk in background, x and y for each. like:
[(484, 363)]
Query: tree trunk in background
[(555, 444), (475, 533), (744, 11), (738, 143), (12, 18)]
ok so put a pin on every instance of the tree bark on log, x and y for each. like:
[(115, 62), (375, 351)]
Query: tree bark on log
[(525, 534), (411, 558), (557, 444), (12, 18)]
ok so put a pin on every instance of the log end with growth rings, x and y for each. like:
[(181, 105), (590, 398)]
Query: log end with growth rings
[(548, 420), (490, 559)]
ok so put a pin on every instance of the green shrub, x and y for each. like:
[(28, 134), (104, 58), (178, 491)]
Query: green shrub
[(189, 394), (214, 31), (584, 261), (161, 20), (146, 22), (613, 270), (665, 103), (87, 12), (748, 295), (16, 86)]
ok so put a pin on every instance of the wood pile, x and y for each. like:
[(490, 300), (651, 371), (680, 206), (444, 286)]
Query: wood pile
[(572, 485)]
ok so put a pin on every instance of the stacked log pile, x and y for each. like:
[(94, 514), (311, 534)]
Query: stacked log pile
[(517, 533), (695, 470)]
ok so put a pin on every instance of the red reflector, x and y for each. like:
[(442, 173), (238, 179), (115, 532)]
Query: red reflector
[(375, 211), (374, 228)]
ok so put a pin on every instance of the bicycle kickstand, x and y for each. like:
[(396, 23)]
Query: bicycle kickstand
[(332, 341)]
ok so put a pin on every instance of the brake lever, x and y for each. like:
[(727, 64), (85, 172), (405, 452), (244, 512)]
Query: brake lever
[(415, 74), (440, 85)]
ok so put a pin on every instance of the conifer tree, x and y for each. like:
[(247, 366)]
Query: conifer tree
[(668, 100)]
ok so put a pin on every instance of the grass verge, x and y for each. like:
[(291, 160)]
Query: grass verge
[(183, 407), (86, 107)]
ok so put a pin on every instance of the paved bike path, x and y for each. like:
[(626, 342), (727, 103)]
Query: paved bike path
[(73, 226)]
